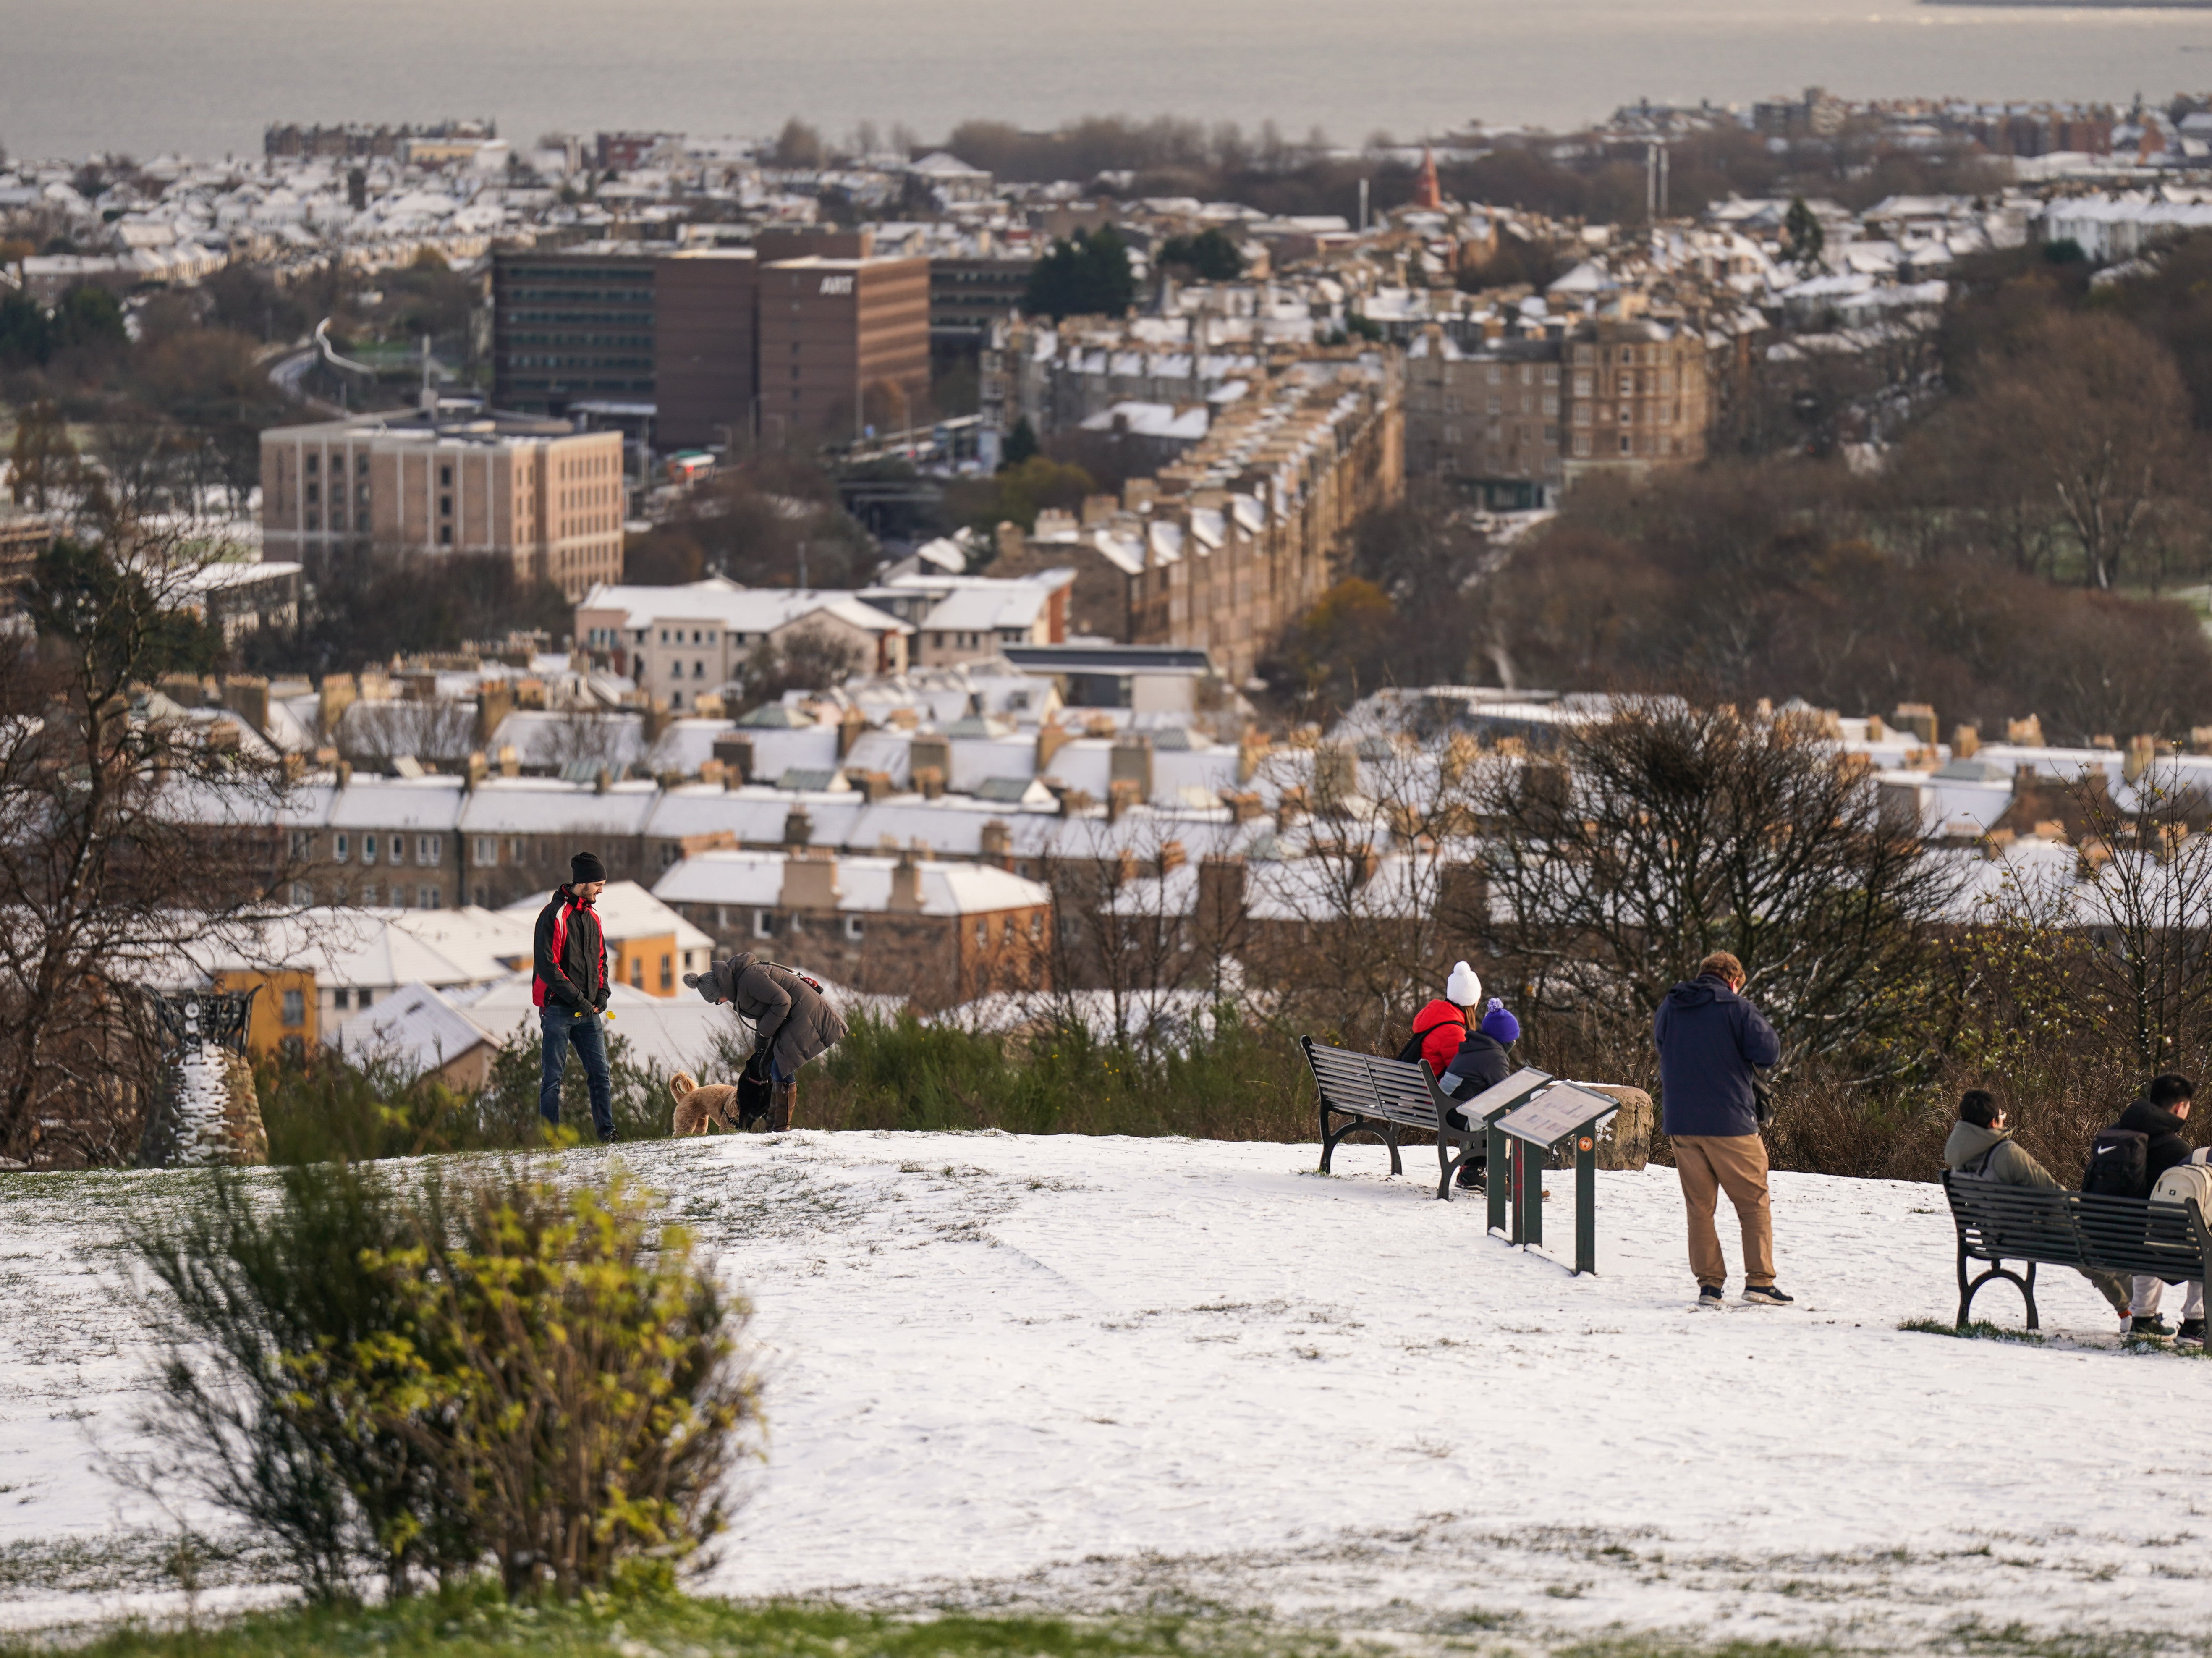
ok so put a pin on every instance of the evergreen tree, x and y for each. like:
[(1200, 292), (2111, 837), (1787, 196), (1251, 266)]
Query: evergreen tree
[(1085, 274), (1802, 237)]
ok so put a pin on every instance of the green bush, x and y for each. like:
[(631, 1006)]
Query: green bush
[(410, 1383), (321, 1106), (1231, 1081), (258, 1288)]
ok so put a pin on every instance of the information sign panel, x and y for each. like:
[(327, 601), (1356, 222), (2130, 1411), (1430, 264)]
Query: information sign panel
[(1513, 1091), (1555, 1113)]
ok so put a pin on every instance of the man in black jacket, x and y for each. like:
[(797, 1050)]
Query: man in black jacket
[(569, 985), (1712, 1044), (2159, 1116)]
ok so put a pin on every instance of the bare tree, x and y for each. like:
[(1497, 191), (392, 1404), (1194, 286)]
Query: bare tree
[(439, 731), (125, 838), (1666, 831), (2096, 418)]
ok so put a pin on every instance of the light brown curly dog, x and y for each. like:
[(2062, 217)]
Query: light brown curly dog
[(698, 1106)]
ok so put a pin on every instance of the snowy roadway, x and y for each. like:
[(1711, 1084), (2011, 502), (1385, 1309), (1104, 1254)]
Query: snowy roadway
[(1109, 1374)]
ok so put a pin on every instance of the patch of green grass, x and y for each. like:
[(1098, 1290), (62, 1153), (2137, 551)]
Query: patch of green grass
[(1979, 1330), (477, 1622)]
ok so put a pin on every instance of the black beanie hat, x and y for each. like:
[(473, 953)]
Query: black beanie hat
[(586, 866)]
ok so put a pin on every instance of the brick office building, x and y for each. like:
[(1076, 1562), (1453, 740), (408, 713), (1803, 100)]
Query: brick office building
[(573, 324), (843, 343)]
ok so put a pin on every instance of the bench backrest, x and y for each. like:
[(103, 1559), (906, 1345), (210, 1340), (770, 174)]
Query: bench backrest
[(2118, 1234), (1399, 1091)]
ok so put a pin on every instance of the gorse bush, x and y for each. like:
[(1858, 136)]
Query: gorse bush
[(323, 1105), (394, 1384), (1227, 1080)]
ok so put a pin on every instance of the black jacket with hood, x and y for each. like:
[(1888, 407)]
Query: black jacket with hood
[(574, 976), (1711, 1043), (2167, 1148)]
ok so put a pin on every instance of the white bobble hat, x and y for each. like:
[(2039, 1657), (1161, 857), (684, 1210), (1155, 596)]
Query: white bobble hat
[(1463, 989)]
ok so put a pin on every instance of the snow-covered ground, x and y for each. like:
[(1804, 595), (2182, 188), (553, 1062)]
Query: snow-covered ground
[(1102, 1375)]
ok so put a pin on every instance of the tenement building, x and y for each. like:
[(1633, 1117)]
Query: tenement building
[(536, 491), (1486, 416), (1638, 395), (1223, 549)]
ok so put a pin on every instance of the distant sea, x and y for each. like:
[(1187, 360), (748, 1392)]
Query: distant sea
[(203, 76)]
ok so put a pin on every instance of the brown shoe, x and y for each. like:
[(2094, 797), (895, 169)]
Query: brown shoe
[(783, 1102)]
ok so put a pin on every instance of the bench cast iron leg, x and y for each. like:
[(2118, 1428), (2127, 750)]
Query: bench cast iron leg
[(2027, 1291), (1391, 1139), (1965, 1290)]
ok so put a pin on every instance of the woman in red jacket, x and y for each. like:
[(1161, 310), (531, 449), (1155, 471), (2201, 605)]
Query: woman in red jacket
[(1441, 1026)]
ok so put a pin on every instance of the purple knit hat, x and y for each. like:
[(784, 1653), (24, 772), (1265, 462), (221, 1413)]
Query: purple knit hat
[(1500, 1026)]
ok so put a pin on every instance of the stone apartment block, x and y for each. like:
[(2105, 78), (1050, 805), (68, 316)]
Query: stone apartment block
[(937, 934), (1638, 395), (1486, 417), (536, 491), (679, 642), (1224, 549)]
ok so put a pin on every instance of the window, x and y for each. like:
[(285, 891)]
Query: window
[(368, 848), (444, 507), (445, 479), (314, 493), (361, 466), (1037, 925), (637, 973), (429, 897), (667, 973), (340, 997), (1581, 443), (303, 843), (295, 1007), (339, 847), (1624, 443), (1582, 414), (362, 996), (982, 929), (675, 699), (487, 850), (429, 848), (368, 901), (314, 518), (1582, 385), (302, 894), (514, 850), (314, 465), (763, 924), (855, 928), (698, 670)]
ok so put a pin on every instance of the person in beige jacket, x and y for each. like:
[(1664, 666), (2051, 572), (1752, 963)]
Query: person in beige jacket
[(1981, 1147)]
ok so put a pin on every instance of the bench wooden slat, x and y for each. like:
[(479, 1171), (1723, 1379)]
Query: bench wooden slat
[(2092, 1232), (1379, 1096)]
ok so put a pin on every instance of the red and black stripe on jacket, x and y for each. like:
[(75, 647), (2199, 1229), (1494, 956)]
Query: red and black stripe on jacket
[(570, 957)]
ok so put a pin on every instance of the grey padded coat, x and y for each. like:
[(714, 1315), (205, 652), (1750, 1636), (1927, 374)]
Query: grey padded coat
[(793, 1021)]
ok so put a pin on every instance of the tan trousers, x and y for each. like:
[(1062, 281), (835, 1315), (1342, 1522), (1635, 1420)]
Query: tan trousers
[(1735, 1164)]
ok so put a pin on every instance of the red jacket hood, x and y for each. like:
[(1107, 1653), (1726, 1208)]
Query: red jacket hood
[(1438, 1012)]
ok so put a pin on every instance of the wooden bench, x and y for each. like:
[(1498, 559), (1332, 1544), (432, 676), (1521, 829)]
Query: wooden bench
[(1380, 1096), (2037, 1226)]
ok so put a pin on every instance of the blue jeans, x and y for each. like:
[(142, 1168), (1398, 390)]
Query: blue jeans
[(563, 1027)]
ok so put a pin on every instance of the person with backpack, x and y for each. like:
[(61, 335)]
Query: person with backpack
[(2130, 1160), (1481, 1062), (1981, 1147), (2126, 1159), (569, 985), (1712, 1045), (793, 1022), (1440, 1029)]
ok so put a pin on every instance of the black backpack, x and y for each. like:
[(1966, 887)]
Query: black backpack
[(2120, 1164)]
